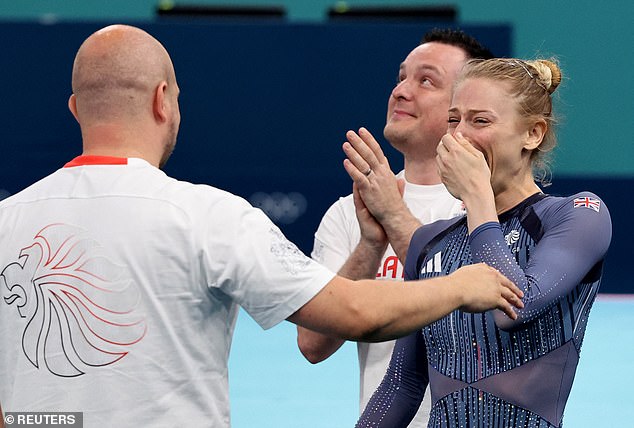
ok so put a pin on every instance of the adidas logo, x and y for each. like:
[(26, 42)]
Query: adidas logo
[(433, 265)]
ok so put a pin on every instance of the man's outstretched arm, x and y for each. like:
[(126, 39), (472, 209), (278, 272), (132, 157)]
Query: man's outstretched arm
[(374, 311)]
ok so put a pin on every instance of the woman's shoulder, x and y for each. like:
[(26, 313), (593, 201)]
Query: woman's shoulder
[(584, 199), (584, 208)]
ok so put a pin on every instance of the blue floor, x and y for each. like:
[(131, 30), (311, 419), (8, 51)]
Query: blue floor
[(272, 386)]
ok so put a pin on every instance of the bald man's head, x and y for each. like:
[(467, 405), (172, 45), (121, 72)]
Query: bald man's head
[(116, 72)]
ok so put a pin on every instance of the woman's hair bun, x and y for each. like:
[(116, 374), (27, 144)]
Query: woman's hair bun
[(549, 74)]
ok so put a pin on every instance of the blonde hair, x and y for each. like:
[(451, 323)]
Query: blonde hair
[(531, 85)]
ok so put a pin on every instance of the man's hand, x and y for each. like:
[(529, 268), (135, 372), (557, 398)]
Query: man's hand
[(373, 235), (380, 191), (485, 288), (370, 170)]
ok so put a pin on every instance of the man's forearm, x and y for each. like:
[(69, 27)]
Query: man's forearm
[(370, 310), (363, 263), (399, 229)]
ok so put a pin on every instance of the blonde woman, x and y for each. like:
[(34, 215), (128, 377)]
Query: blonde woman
[(487, 370)]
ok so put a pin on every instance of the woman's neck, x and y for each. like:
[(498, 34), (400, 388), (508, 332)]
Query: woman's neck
[(511, 196)]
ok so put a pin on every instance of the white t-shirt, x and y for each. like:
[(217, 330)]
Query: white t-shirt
[(337, 237), (121, 288)]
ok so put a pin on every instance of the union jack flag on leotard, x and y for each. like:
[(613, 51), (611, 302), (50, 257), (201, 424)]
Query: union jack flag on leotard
[(587, 202)]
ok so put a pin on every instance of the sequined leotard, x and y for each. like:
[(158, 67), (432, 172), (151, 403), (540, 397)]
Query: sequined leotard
[(486, 370)]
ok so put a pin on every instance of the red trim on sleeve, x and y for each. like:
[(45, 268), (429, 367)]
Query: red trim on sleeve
[(96, 160)]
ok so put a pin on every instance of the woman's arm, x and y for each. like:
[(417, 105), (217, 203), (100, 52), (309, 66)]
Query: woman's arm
[(574, 241), (398, 397)]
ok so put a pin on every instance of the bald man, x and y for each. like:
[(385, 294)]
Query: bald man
[(121, 285)]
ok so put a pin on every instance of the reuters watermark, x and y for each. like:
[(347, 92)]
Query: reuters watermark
[(44, 419)]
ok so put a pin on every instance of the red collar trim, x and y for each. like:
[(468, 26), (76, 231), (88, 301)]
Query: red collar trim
[(96, 160)]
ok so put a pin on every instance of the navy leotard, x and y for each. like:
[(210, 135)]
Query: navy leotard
[(486, 370)]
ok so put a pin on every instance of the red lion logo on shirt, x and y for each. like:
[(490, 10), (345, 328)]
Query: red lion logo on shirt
[(78, 305)]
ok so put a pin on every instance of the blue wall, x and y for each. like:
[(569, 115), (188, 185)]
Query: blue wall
[(592, 39)]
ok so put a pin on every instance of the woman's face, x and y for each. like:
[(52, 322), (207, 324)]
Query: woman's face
[(488, 117)]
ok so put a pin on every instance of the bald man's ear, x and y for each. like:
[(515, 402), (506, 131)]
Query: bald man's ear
[(161, 107), (72, 106)]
